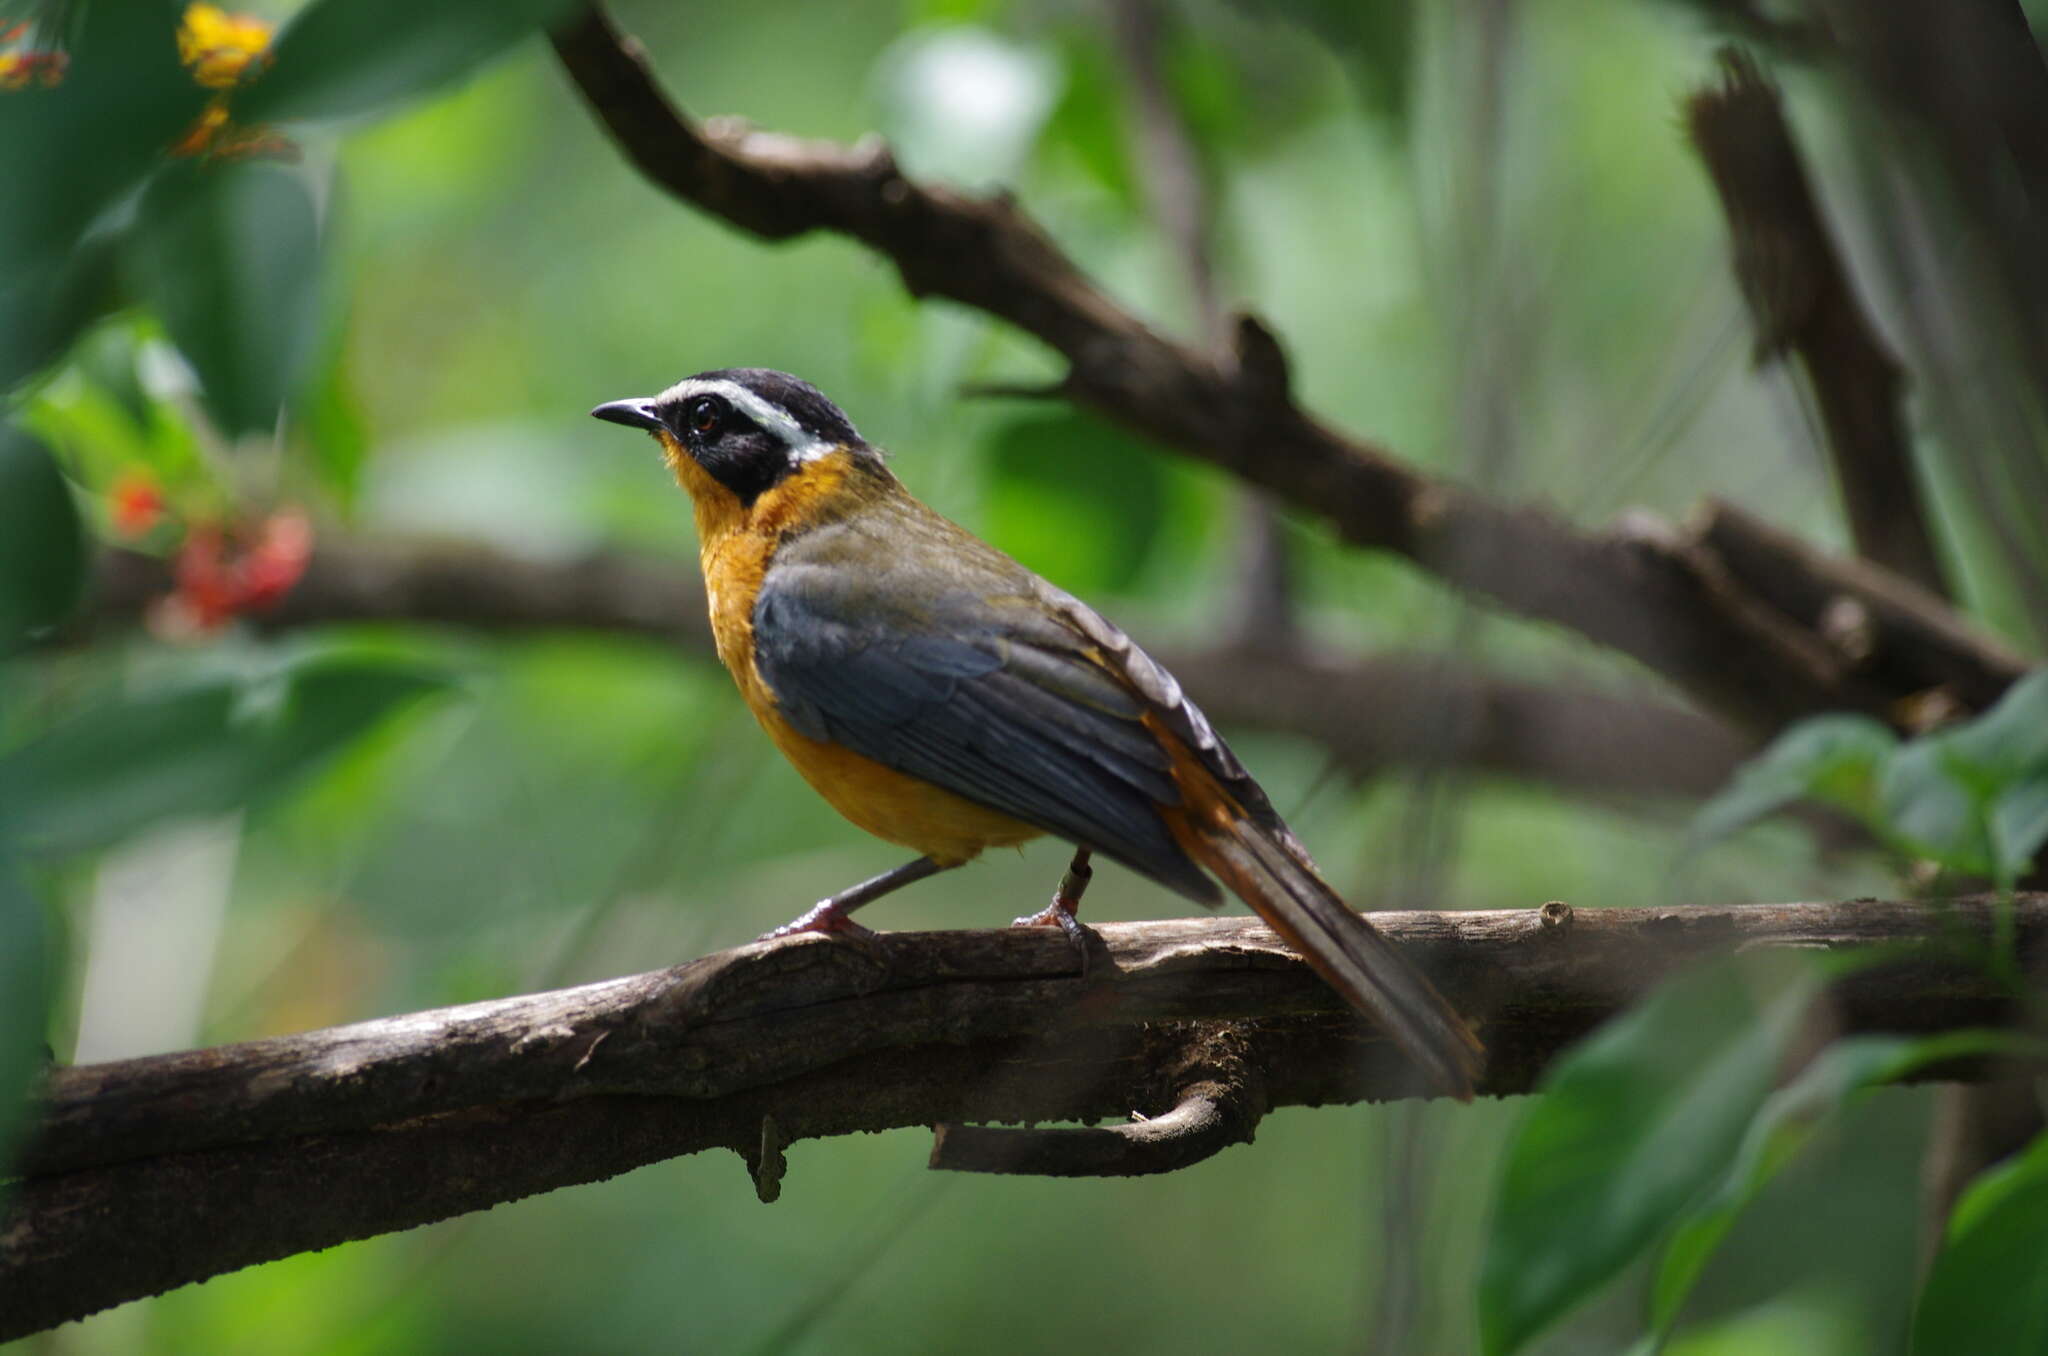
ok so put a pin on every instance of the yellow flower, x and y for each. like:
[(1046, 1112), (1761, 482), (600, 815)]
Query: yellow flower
[(219, 47), (222, 50)]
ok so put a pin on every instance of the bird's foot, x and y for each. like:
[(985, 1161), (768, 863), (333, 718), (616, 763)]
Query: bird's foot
[(1058, 914), (826, 916), (1063, 912)]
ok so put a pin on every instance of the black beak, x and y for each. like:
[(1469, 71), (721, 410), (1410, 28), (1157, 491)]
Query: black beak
[(636, 413)]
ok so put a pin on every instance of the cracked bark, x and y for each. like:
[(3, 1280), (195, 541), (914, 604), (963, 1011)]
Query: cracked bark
[(150, 1173)]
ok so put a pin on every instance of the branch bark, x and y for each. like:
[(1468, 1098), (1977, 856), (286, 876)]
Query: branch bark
[(1643, 588), (151, 1173), (1804, 307)]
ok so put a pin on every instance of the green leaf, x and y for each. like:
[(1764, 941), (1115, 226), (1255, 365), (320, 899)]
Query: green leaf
[(1787, 1122), (2019, 825), (1988, 1289), (42, 545), (1835, 759), (345, 58), (69, 153), (1076, 499), (26, 992), (1632, 1126), (2011, 737), (43, 312), (1937, 806), (332, 423), (198, 749), (229, 258), (1378, 38)]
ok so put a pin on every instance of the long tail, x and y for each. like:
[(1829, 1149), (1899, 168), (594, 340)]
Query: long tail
[(1355, 957)]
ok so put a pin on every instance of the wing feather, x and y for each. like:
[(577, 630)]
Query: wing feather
[(989, 697)]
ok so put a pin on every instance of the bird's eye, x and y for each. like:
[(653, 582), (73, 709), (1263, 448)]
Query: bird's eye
[(705, 414)]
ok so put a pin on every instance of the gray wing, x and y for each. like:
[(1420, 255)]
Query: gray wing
[(968, 674)]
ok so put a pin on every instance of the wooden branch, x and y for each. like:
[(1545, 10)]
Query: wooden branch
[(1642, 588), (1899, 636), (1804, 306), (1370, 712), (150, 1173)]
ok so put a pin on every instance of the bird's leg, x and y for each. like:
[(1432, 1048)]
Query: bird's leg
[(1066, 902), (832, 914)]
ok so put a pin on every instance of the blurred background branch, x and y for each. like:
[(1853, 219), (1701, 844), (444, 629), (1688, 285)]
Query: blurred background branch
[(1369, 711)]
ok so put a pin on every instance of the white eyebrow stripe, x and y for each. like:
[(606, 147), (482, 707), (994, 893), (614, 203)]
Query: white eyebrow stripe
[(778, 421)]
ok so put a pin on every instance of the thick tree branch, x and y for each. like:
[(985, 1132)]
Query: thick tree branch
[(1804, 306), (151, 1173), (1644, 588), (1371, 713)]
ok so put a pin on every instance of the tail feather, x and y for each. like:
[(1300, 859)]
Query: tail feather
[(1355, 957)]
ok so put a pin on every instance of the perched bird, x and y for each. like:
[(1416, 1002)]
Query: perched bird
[(943, 697)]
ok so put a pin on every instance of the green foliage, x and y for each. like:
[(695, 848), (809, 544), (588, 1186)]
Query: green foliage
[(42, 546), (197, 748), (1972, 797), (1076, 499), (1631, 1127), (1986, 1291), (1660, 1131), (347, 58), (1787, 1123), (228, 256), (27, 985), (68, 157)]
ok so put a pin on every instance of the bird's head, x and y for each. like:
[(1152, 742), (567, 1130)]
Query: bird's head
[(750, 443)]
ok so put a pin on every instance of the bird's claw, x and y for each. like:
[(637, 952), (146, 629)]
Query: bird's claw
[(823, 918)]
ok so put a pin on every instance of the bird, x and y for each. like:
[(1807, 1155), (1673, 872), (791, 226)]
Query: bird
[(945, 698)]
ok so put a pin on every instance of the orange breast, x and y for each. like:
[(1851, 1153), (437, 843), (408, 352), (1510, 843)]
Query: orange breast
[(736, 548)]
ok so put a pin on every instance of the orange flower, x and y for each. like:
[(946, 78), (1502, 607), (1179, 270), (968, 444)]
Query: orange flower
[(221, 48), (135, 501)]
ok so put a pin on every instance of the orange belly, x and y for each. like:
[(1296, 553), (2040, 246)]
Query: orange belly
[(892, 805)]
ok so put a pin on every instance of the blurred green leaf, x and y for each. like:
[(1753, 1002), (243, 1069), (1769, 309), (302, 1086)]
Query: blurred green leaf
[(69, 157), (2002, 756), (42, 545), (2019, 825), (1787, 1122), (198, 749), (229, 258), (1631, 1127), (345, 58), (2012, 736), (1987, 1290), (1377, 39), (1076, 499), (68, 153), (26, 992), (1934, 806), (42, 313), (1835, 759), (332, 423), (1087, 122)]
